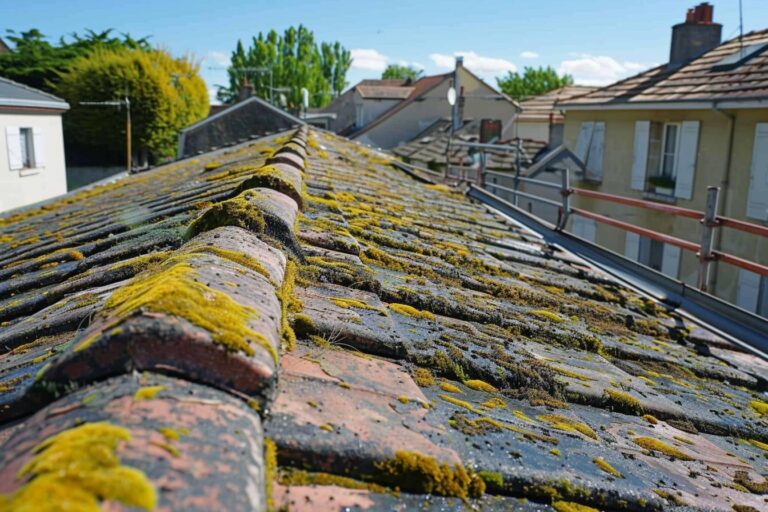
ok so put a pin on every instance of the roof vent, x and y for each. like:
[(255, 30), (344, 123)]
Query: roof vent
[(696, 36), (740, 56)]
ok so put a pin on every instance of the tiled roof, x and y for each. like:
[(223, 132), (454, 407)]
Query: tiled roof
[(695, 81), (429, 147), (543, 108), (384, 92), (294, 323), (14, 94)]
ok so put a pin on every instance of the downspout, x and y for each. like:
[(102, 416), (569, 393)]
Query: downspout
[(724, 183)]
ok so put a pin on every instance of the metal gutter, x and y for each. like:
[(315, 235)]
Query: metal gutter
[(738, 326), (755, 103)]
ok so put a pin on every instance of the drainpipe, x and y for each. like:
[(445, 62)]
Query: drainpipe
[(724, 183)]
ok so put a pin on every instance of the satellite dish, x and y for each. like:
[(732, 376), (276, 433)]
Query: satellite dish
[(305, 98), (451, 96)]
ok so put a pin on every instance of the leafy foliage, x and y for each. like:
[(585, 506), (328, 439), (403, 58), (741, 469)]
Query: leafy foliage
[(395, 71), (36, 62), (295, 61), (166, 94), (533, 82)]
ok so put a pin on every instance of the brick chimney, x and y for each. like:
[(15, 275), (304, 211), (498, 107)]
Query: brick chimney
[(696, 36)]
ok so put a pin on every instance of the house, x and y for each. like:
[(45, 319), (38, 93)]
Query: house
[(541, 118), (428, 103), (365, 102), (667, 134), (305, 327), (32, 145), (249, 118)]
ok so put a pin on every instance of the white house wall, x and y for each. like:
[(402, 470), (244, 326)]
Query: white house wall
[(23, 187)]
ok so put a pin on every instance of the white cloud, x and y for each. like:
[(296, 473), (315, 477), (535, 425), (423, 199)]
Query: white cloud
[(368, 59), (599, 69), (476, 63), (529, 55), (212, 99), (217, 59), (413, 65)]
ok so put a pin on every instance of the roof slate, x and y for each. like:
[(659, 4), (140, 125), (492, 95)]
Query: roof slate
[(14, 94), (293, 322), (694, 81)]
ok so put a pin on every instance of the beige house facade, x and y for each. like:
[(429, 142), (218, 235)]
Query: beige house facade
[(667, 135)]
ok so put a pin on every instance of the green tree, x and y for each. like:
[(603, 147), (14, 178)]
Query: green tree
[(396, 71), (166, 94), (287, 63), (532, 82), (36, 62)]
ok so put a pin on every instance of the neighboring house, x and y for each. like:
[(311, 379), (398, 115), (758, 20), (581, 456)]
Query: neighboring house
[(32, 149), (365, 102), (541, 118), (428, 103), (667, 134), (248, 119)]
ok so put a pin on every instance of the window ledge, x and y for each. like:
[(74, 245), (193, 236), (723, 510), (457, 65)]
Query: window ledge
[(659, 198), (30, 172)]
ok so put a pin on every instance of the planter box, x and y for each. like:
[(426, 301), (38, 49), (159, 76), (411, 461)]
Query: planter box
[(666, 191)]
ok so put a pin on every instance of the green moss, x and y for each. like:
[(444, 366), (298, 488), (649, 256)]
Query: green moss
[(494, 403), (423, 377), (450, 388), (555, 452), (303, 325), (623, 402), (407, 310), (650, 419), (603, 465), (415, 472), (147, 392), (760, 407), (289, 303), (656, 445), (77, 469), (347, 303), (567, 424), (270, 471), (549, 315), (493, 481), (571, 506), (173, 434), (296, 477), (571, 374), (174, 290), (480, 385), (671, 497), (237, 211)]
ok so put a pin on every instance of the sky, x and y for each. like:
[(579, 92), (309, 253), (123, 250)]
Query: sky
[(596, 41)]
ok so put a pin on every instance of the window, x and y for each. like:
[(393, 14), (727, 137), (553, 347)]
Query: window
[(752, 292), (659, 256), (25, 148), (590, 146), (668, 161)]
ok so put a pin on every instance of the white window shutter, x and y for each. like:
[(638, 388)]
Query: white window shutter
[(584, 228), (686, 159), (670, 260), (757, 197), (38, 145), (584, 140), (595, 156), (640, 154), (748, 290), (13, 142), (632, 246)]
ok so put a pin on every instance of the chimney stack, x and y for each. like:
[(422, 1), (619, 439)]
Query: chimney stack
[(245, 92), (696, 36)]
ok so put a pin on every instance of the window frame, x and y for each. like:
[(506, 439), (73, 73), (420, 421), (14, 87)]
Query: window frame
[(676, 154), (27, 142)]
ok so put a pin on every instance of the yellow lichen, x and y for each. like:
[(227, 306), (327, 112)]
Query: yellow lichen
[(297, 477), (420, 473), (147, 392), (650, 419), (656, 445), (407, 310), (567, 424), (460, 403), (555, 452), (603, 465), (549, 315), (326, 427), (571, 506), (759, 444), (480, 385), (174, 290), (77, 469), (173, 434), (450, 388), (423, 377), (347, 303), (403, 399), (494, 403), (760, 407), (623, 401), (270, 470)]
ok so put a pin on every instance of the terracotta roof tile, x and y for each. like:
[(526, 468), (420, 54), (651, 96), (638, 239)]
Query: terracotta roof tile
[(402, 346)]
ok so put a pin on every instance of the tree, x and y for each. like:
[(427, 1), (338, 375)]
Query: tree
[(396, 71), (166, 94), (36, 62), (533, 82), (290, 62)]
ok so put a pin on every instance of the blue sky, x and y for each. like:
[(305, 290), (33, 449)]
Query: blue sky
[(598, 41)]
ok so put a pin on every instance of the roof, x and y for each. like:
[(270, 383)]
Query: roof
[(384, 92), (247, 119), (696, 81), (429, 147), (294, 322), (16, 95), (543, 108)]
